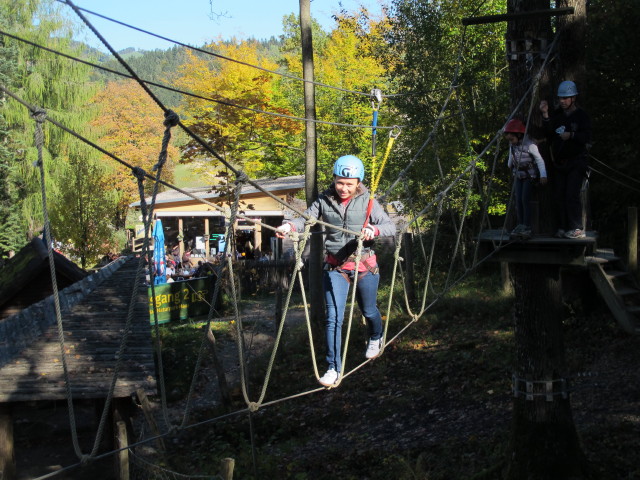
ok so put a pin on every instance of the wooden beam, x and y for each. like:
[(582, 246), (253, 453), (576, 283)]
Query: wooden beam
[(7, 455), (122, 457), (505, 17)]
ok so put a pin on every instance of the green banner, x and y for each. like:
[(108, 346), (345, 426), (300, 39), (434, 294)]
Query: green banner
[(182, 299)]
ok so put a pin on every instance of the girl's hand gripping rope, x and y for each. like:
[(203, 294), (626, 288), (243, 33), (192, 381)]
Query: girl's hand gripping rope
[(368, 232), (283, 230)]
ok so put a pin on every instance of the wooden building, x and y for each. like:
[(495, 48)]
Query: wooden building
[(198, 227)]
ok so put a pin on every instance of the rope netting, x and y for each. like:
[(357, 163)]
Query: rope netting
[(422, 221)]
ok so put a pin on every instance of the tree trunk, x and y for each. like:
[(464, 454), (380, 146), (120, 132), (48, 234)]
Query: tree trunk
[(527, 38), (572, 58), (311, 183), (544, 443)]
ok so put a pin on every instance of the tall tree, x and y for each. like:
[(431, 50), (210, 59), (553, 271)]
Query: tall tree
[(11, 238), (612, 36), (544, 442), (432, 49), (78, 217), (343, 58), (251, 140), (56, 84), (130, 125)]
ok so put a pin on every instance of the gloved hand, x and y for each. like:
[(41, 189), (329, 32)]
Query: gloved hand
[(283, 229), (369, 232)]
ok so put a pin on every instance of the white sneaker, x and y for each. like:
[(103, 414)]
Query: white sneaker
[(373, 349), (329, 378), (576, 233)]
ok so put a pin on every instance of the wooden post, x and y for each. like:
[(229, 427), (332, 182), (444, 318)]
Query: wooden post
[(408, 262), (257, 236), (122, 457), (277, 276), (181, 236), (148, 415), (507, 286), (315, 275), (226, 468), (632, 240), (219, 367), (7, 455), (207, 250)]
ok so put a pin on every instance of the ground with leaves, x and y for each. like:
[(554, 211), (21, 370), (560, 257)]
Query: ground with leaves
[(436, 405)]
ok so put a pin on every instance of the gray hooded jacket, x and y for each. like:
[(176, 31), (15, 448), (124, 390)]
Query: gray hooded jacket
[(329, 209)]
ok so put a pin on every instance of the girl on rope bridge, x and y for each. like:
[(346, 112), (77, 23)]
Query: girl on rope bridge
[(345, 204)]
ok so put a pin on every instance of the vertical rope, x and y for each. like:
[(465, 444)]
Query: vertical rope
[(40, 115)]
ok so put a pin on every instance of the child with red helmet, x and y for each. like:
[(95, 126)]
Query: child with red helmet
[(527, 166)]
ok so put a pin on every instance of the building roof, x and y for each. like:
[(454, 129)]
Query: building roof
[(295, 182), (26, 278)]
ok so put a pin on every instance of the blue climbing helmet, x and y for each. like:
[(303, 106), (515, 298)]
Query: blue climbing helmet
[(349, 166), (567, 89)]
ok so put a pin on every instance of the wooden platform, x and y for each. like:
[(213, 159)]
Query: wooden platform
[(540, 249), (93, 329)]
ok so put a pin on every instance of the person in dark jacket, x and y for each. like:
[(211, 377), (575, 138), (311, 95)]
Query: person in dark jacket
[(345, 204), (568, 131)]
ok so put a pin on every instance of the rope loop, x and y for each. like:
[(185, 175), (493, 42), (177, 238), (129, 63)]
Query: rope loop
[(241, 177), (171, 119), (395, 132), (39, 114), (139, 173)]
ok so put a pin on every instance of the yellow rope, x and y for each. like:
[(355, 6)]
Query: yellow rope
[(393, 134)]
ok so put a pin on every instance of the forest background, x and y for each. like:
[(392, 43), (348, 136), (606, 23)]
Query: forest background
[(253, 117)]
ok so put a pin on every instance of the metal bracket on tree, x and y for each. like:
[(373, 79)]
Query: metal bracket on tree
[(532, 389)]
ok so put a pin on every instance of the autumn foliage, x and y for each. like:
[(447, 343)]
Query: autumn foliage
[(131, 127)]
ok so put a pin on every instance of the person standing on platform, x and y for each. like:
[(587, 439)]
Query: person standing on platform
[(568, 131)]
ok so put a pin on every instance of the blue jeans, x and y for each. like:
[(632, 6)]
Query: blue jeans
[(336, 289), (524, 187), (568, 183)]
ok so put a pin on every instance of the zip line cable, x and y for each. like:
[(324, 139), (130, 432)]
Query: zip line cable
[(184, 92), (626, 176), (275, 72), (619, 182), (223, 57)]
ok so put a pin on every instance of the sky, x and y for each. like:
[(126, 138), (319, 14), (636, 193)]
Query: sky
[(196, 22)]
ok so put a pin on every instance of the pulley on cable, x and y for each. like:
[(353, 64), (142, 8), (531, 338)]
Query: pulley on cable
[(376, 173)]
